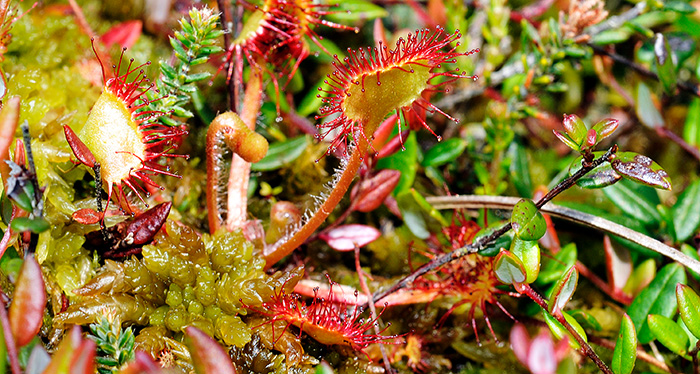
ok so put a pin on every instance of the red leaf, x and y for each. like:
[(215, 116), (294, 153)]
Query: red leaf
[(619, 264), (146, 225), (86, 216), (27, 309), (124, 34), (344, 238), (372, 192), (80, 150), (208, 356)]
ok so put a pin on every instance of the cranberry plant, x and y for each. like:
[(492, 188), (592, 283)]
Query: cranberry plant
[(302, 186)]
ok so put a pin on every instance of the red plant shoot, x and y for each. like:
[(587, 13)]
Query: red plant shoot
[(330, 320), (371, 83), (123, 136)]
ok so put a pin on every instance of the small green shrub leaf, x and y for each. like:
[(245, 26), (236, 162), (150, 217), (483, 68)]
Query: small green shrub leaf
[(553, 268), (282, 153), (664, 63), (641, 169), (528, 223), (637, 201), (645, 108), (575, 128), (691, 129), (563, 290), (685, 212), (688, 304), (35, 225), (559, 331), (528, 252), (508, 268), (29, 300), (444, 152), (420, 217), (601, 176), (659, 297), (668, 333), (625, 353), (356, 10), (520, 169)]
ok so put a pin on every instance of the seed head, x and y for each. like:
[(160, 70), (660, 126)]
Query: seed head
[(371, 82)]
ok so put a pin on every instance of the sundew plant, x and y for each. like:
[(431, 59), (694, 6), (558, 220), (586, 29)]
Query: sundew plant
[(329, 186)]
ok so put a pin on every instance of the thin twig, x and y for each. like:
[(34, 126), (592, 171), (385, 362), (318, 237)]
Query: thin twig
[(598, 223), (484, 241), (666, 133), (617, 21)]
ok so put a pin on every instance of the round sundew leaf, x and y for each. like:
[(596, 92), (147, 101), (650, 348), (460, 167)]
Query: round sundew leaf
[(625, 353), (27, 308), (529, 253), (563, 290), (508, 268), (641, 169), (688, 304), (208, 357), (346, 237), (668, 333), (528, 222)]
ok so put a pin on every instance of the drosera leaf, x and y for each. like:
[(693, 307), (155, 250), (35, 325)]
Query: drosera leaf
[(444, 152), (346, 237), (641, 169), (508, 268), (282, 153), (688, 304), (528, 223), (208, 357), (563, 290), (685, 212), (659, 297), (668, 333), (27, 309), (625, 353)]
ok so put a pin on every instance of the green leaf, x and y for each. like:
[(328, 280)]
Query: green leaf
[(528, 223), (575, 128), (356, 10), (563, 290), (635, 200), (197, 77), (494, 248), (553, 268), (528, 251), (559, 331), (444, 152), (641, 169), (405, 161), (685, 212), (35, 225), (688, 304), (691, 129), (679, 6), (508, 268), (520, 169), (668, 333), (645, 108), (605, 128), (602, 176), (420, 217), (282, 153), (625, 353), (659, 297)]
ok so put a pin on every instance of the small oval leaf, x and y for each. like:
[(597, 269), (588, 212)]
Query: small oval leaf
[(528, 222), (668, 333), (508, 268), (685, 212), (641, 169), (27, 309), (444, 152), (208, 357), (35, 225), (80, 150), (346, 237), (86, 216), (563, 290), (529, 254), (688, 304), (372, 192), (625, 353), (559, 331)]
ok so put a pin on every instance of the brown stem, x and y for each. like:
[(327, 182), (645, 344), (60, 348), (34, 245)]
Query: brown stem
[(239, 174), (585, 347), (227, 128), (484, 241), (275, 253), (666, 133)]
